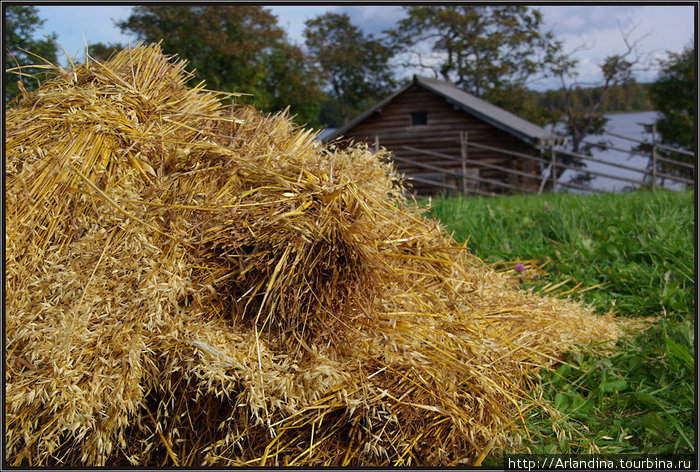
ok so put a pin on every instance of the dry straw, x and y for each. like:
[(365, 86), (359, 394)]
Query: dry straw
[(198, 284)]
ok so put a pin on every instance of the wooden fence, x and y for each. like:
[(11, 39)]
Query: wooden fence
[(461, 178)]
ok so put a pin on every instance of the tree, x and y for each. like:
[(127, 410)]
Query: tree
[(490, 51), (582, 114), (291, 82), (522, 102), (582, 119), (354, 64), (102, 52), (630, 98), (21, 23), (673, 96), (234, 49)]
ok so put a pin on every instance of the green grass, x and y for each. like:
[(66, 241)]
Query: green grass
[(638, 249)]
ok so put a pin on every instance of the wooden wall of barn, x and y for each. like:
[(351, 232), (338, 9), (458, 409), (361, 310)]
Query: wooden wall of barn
[(391, 126)]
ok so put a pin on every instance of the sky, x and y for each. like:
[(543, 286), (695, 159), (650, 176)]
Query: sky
[(593, 31)]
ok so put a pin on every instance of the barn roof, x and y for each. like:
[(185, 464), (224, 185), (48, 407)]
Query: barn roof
[(491, 114)]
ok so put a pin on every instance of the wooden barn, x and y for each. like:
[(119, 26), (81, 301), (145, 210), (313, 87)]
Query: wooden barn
[(442, 139)]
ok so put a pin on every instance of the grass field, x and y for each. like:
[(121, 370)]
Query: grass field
[(632, 253)]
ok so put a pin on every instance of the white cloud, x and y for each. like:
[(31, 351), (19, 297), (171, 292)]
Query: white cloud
[(292, 19), (375, 19), (570, 19), (574, 23)]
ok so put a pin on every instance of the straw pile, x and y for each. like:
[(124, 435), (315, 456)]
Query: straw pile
[(197, 284)]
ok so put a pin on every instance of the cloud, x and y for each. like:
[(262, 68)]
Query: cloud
[(374, 19), (566, 20), (600, 28), (292, 18)]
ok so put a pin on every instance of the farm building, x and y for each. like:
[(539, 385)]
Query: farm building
[(437, 133)]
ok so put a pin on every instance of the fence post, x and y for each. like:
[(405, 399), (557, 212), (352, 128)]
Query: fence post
[(653, 156), (376, 143), (463, 146), (553, 166), (545, 178)]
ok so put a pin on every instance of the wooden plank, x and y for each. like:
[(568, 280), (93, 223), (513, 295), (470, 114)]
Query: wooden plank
[(437, 176), (600, 174), (478, 163), (672, 149), (431, 153), (658, 158), (412, 132), (432, 183), (450, 186), (668, 148), (673, 161), (510, 153), (578, 186), (463, 149), (614, 164), (675, 177), (510, 171), (427, 166), (469, 177)]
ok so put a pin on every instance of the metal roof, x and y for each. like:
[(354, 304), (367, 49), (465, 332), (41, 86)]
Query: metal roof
[(491, 114)]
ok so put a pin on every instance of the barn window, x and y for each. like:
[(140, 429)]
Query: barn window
[(419, 118)]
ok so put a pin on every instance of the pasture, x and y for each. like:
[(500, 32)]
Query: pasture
[(631, 253)]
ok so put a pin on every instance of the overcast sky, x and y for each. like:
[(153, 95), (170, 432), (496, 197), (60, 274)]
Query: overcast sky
[(597, 27)]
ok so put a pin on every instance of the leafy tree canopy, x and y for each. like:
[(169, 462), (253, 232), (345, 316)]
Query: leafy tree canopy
[(673, 96), (234, 49), (355, 66), (21, 23), (102, 52), (489, 51)]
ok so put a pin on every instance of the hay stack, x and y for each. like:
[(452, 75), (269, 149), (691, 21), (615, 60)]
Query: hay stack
[(194, 284)]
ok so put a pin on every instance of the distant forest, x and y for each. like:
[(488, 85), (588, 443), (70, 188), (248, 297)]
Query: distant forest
[(620, 99)]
